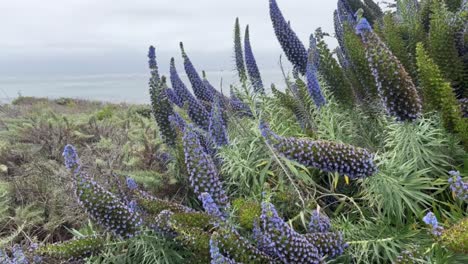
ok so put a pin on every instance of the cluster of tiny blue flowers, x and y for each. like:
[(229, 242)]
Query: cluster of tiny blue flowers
[(18, 256), (177, 121), (198, 86), (162, 223), (395, 87), (313, 84), (329, 244), (292, 46), (324, 155), (131, 183), (70, 157), (172, 96), (288, 245), (431, 220), (203, 174), (319, 223), (217, 128), (210, 206), (216, 256), (107, 209), (251, 64), (458, 186)]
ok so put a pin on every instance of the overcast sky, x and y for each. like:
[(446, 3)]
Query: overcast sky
[(70, 37)]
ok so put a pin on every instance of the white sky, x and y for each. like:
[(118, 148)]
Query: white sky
[(70, 37)]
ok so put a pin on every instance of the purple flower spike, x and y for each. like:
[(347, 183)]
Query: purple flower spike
[(198, 86), (313, 85), (153, 64), (238, 53), (179, 87), (106, 208), (292, 46), (324, 155), (217, 128), (71, 157), (172, 96), (203, 175), (288, 245), (251, 64)]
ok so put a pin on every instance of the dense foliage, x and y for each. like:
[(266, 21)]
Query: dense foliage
[(360, 157)]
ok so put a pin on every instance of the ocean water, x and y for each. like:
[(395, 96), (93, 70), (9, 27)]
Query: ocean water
[(129, 88)]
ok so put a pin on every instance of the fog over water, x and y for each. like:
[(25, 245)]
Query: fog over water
[(97, 49)]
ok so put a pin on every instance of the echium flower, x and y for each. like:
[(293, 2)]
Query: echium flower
[(107, 209), (217, 128), (177, 121), (289, 246), (345, 13), (313, 84), (153, 65), (238, 53), (216, 256), (431, 220), (173, 97), (319, 223), (203, 175), (329, 244), (251, 64), (131, 184), (18, 255), (71, 158), (458, 187), (196, 110), (198, 86), (210, 206), (395, 87), (178, 85), (292, 46), (324, 155), (223, 99), (162, 109), (162, 223)]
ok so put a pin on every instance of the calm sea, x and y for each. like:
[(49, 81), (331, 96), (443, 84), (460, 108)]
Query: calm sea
[(130, 88)]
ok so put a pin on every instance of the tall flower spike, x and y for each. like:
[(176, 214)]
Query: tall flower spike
[(223, 99), (178, 85), (238, 53), (313, 84), (251, 64), (153, 65), (162, 109), (292, 46), (324, 155), (289, 246), (395, 87), (107, 209), (217, 128), (196, 110), (203, 175), (198, 86)]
